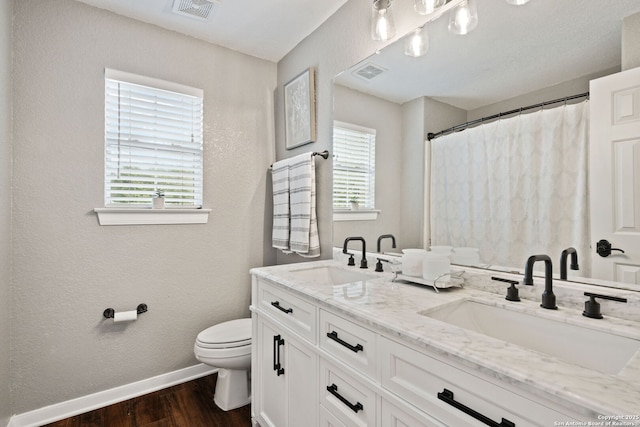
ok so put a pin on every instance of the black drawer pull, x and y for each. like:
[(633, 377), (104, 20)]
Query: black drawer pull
[(333, 389), (447, 396), (277, 305), (334, 336)]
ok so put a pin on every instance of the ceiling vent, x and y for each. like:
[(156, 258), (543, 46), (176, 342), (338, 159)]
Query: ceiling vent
[(369, 71), (198, 9)]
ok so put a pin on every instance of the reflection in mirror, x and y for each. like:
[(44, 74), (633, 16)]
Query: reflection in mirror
[(517, 56)]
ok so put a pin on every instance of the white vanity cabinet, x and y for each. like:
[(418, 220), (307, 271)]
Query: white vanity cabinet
[(316, 365), (284, 365)]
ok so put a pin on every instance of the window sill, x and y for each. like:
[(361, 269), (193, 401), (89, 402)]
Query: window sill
[(356, 215), (136, 216)]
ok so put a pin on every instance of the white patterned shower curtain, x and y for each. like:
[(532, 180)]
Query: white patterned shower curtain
[(515, 187)]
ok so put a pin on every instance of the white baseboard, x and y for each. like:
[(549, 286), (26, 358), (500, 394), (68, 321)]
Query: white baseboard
[(83, 404)]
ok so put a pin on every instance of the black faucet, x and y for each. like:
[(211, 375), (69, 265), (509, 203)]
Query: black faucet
[(386, 236), (548, 298), (363, 262), (563, 262)]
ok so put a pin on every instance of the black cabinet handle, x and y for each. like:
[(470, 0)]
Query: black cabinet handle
[(333, 389), (277, 305), (447, 397), (277, 342), (334, 336)]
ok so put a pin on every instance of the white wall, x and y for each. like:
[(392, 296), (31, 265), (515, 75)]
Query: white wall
[(67, 268), (385, 117), (630, 42), (5, 210)]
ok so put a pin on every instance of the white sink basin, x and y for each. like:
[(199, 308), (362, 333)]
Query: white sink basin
[(579, 345), (329, 275)]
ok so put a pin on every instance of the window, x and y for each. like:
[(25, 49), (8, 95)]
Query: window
[(354, 163), (153, 142)]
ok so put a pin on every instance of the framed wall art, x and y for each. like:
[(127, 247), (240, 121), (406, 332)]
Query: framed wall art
[(300, 110)]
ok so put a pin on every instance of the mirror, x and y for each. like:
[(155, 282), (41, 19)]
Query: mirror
[(517, 56)]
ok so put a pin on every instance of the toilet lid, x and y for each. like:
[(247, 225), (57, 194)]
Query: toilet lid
[(234, 333)]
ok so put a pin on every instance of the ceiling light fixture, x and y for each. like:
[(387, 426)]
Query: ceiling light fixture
[(382, 25), (417, 43), (517, 2), (463, 18), (425, 7)]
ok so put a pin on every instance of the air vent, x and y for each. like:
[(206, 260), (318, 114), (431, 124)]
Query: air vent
[(369, 71), (198, 9)]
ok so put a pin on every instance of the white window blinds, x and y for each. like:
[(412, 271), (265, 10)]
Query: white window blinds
[(153, 141), (354, 163)]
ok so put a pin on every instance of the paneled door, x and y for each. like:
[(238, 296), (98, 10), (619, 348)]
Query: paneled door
[(614, 176)]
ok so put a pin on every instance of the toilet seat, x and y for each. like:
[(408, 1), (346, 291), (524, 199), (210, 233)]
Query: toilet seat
[(231, 334)]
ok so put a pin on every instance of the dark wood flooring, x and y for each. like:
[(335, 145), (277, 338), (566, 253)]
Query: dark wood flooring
[(185, 405)]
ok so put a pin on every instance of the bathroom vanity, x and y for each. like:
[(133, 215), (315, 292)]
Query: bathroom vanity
[(340, 346)]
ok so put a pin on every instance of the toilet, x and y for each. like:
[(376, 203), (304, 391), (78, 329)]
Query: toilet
[(227, 346)]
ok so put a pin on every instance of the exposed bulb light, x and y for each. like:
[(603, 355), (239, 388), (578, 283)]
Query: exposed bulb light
[(382, 26), (425, 7), (463, 18), (417, 43), (517, 2)]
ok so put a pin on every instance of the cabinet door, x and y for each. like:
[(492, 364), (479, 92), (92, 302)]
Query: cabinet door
[(287, 377), (301, 373), (272, 382)]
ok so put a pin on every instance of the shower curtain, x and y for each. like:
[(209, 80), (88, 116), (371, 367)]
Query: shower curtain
[(515, 187)]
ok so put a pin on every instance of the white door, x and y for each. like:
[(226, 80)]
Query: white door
[(272, 382), (614, 170)]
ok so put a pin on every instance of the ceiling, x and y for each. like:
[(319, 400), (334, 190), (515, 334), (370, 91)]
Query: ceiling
[(514, 50), (264, 29)]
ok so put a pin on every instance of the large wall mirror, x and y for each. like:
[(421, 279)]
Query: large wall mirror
[(516, 56)]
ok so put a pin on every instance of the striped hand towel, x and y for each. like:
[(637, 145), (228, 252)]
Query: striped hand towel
[(281, 218), (304, 238)]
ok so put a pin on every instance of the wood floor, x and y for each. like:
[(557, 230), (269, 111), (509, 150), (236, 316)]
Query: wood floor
[(184, 405)]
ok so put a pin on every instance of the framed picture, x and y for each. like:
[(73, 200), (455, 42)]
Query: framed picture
[(300, 110)]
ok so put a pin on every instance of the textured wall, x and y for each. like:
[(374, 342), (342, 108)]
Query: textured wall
[(386, 117), (630, 42), (67, 268), (5, 210)]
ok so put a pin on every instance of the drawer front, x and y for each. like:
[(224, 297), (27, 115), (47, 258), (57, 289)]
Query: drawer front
[(392, 416), (453, 396), (347, 399), (351, 343), (327, 419), (294, 312)]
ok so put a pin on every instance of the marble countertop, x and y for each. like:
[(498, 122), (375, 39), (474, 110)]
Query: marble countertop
[(395, 307)]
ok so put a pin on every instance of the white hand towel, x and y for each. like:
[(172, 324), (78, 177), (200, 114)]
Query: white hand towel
[(304, 238), (281, 218)]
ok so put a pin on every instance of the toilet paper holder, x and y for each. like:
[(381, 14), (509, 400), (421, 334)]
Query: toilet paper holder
[(109, 313)]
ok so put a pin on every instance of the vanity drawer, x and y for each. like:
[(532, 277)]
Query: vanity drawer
[(451, 394), (346, 398), (348, 342), (294, 312)]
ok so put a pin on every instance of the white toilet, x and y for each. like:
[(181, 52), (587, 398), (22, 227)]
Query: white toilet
[(227, 346)]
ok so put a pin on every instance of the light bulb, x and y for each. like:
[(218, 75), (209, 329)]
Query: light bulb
[(463, 18), (425, 7), (517, 2), (382, 26), (417, 43)]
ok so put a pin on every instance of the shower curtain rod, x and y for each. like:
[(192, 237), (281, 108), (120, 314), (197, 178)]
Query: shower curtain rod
[(464, 126)]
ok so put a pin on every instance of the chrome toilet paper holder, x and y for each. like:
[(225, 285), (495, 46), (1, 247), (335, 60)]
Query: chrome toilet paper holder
[(109, 313)]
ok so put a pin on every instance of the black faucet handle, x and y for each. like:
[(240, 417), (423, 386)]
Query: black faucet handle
[(352, 260), (512, 291), (592, 307)]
